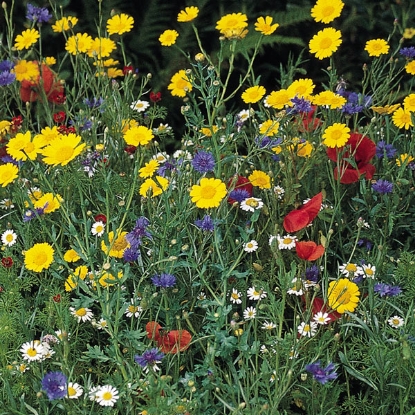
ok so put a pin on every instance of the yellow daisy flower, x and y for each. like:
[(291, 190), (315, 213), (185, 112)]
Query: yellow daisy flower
[(330, 99), (304, 149), (117, 245), (49, 202), (101, 47), (264, 25), (269, 128), (22, 147), (278, 99), (47, 135), (232, 25), (325, 42), (149, 169), (153, 187), (138, 136), (72, 281), (79, 43), (326, 11), (301, 88), (404, 159), (71, 255), (377, 47), (253, 94), (180, 84), (28, 38), (402, 118), (343, 295), (39, 257), (408, 33), (260, 179), (409, 102), (63, 149), (107, 279), (8, 173), (410, 68), (120, 24), (26, 71), (64, 24), (336, 135), (168, 37), (188, 14), (386, 109), (209, 193), (114, 73)]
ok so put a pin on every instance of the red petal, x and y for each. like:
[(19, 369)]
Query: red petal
[(309, 250), (318, 305), (152, 329), (175, 341)]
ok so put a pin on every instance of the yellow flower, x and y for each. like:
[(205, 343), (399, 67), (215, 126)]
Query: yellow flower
[(387, 109), (168, 37), (336, 135), (278, 99), (260, 179), (79, 43), (326, 11), (114, 73), (5, 127), (207, 131), (50, 60), (269, 128), (154, 187), (330, 99), (71, 255), (64, 24), (138, 136), (47, 135), (265, 26), (101, 47), (410, 68), (116, 246), (343, 295), (253, 94), (302, 88), (127, 124), (409, 102), (402, 118), (119, 24), (21, 147), (377, 47), (72, 281), (408, 33), (304, 149), (149, 169), (233, 25), (180, 84), (39, 257), (26, 71), (26, 39), (49, 202), (325, 42), (63, 149), (188, 14), (209, 193), (107, 279), (404, 159), (8, 173)]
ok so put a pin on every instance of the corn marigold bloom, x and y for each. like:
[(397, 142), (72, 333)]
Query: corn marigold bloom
[(409, 102), (39, 257), (71, 255), (9, 237), (301, 88), (138, 136), (232, 25), (209, 193), (49, 202), (188, 14), (264, 25), (64, 24), (108, 279), (74, 390), (336, 135), (101, 47), (325, 42), (180, 84), (403, 159), (377, 47), (343, 295), (26, 39), (26, 70), (326, 11), (71, 281), (117, 244), (8, 173), (253, 94), (278, 99), (63, 149), (79, 43), (149, 169), (269, 128), (330, 99), (154, 187), (410, 67), (402, 118), (120, 24), (22, 147), (168, 37), (260, 179)]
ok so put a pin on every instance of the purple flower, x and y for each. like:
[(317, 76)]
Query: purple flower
[(266, 142), (55, 384), (205, 224), (301, 105), (34, 213), (366, 243), (350, 108), (6, 78), (382, 186), (238, 195), (312, 273), (149, 358), (6, 65), (131, 255), (38, 14), (164, 280), (135, 236), (386, 290), (95, 103), (322, 374), (166, 167), (203, 162), (383, 149), (408, 52)]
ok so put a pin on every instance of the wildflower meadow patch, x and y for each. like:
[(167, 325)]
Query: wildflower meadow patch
[(264, 265)]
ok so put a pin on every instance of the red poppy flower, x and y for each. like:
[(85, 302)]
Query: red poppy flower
[(127, 69), (358, 148), (130, 149), (155, 96), (299, 218), (318, 305), (16, 123), (7, 262), (57, 298), (169, 342), (29, 90), (59, 117), (309, 122), (100, 218), (309, 250), (239, 183)]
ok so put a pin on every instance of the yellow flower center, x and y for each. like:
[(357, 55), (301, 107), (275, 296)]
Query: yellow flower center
[(251, 245), (81, 312), (235, 296), (71, 391), (208, 192), (99, 228), (132, 308), (307, 328), (325, 43), (65, 153), (181, 84), (107, 396), (32, 352), (252, 202), (9, 237), (29, 147), (395, 322), (351, 268), (40, 258), (287, 241), (343, 297), (369, 271), (327, 11), (120, 244)]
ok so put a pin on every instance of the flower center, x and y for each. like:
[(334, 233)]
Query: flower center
[(81, 312), (208, 192), (40, 258), (9, 237), (327, 11), (71, 391), (287, 241), (107, 396), (252, 202), (351, 268), (32, 352), (307, 328), (65, 153), (326, 43)]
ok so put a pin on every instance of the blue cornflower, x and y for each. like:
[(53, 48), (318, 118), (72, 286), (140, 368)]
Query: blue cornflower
[(238, 195), (6, 78), (349, 108), (366, 243), (130, 255), (301, 105), (55, 384), (6, 65), (164, 280), (383, 149), (266, 142), (166, 167), (312, 273), (203, 162), (382, 186), (95, 103), (408, 52), (140, 231), (38, 14), (205, 224), (149, 359), (322, 374), (34, 213), (386, 290)]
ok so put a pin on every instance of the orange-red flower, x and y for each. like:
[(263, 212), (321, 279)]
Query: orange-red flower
[(299, 218), (309, 250), (318, 305), (169, 342)]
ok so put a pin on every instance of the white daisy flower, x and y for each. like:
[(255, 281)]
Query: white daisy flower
[(243, 115), (254, 294), (307, 329), (162, 129), (369, 271), (100, 325), (22, 367), (396, 322), (81, 314), (268, 325), (297, 287), (201, 296), (139, 106), (279, 192), (6, 204), (286, 241), (251, 204), (9, 237), (235, 296), (32, 351), (98, 228), (350, 269), (251, 246), (107, 395), (74, 391), (182, 154), (321, 318), (161, 157), (93, 393), (133, 310), (249, 313)]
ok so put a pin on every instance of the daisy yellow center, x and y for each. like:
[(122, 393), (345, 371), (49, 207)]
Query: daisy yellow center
[(99, 228), (9, 237), (119, 244), (235, 296), (40, 258), (343, 297), (251, 245), (232, 22), (208, 192), (287, 241), (369, 271), (107, 396), (181, 84), (252, 202), (32, 352), (327, 11), (132, 308), (29, 147), (351, 268), (81, 312), (307, 328), (395, 322), (65, 153), (326, 43), (71, 391)]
